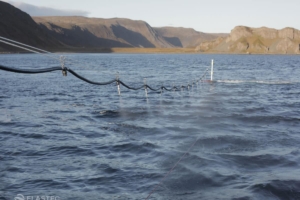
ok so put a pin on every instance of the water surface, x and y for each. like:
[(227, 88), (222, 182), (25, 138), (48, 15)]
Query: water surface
[(62, 137)]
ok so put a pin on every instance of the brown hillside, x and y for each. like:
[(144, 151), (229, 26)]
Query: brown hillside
[(184, 37), (81, 34), (244, 39), (84, 32), (18, 25)]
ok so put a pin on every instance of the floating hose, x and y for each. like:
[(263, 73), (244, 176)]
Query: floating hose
[(65, 70)]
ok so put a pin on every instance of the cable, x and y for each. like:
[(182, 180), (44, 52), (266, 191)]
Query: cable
[(4, 38), (42, 53), (30, 50), (49, 54)]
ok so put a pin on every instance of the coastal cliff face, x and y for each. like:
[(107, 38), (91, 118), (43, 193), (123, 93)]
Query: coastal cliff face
[(18, 25), (244, 39), (91, 34), (119, 32), (185, 37), (82, 34), (116, 32)]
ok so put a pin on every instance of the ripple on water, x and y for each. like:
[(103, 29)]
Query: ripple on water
[(78, 141), (283, 189)]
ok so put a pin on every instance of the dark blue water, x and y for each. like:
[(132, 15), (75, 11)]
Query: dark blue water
[(65, 138)]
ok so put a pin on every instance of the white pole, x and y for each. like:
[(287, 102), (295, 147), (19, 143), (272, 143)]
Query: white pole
[(119, 91), (145, 83), (118, 84), (212, 70)]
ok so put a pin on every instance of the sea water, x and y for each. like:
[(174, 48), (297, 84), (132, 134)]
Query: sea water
[(62, 138)]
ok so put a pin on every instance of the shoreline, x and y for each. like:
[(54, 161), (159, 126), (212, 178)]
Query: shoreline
[(138, 51)]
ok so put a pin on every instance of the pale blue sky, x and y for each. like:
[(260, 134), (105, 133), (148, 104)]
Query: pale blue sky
[(202, 15)]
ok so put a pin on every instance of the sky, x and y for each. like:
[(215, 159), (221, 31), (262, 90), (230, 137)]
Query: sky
[(211, 16)]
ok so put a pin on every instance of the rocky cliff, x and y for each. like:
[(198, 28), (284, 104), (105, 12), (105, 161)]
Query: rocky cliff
[(18, 25), (116, 32), (185, 37), (81, 34), (244, 39), (91, 34)]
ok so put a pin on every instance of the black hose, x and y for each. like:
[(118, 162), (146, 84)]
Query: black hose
[(51, 69), (155, 90), (88, 81), (30, 71), (131, 88), (163, 87)]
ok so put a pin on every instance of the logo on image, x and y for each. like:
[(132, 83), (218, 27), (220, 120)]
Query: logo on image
[(22, 197)]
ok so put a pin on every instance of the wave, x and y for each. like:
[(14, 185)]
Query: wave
[(257, 81), (282, 189)]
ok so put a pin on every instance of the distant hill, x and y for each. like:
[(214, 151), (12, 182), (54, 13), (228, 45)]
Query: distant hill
[(116, 32), (185, 37), (244, 39), (82, 34), (18, 25)]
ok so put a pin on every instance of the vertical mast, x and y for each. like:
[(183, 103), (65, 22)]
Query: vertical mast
[(212, 70)]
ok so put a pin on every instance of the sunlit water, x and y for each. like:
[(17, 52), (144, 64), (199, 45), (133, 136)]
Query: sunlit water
[(62, 137)]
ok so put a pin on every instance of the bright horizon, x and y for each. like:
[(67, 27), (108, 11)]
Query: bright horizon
[(213, 16)]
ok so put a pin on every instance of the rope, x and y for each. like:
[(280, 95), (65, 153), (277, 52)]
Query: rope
[(42, 52), (27, 49), (4, 38), (49, 54)]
